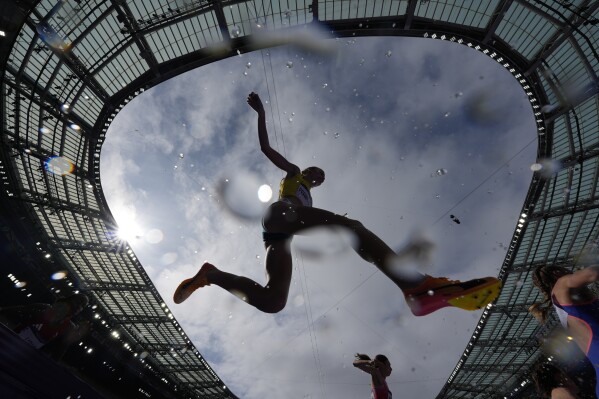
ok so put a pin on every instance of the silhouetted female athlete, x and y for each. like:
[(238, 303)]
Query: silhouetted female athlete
[(379, 369), (576, 306), (292, 213)]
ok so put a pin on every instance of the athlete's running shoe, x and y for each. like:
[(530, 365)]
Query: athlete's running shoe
[(438, 292), (188, 286)]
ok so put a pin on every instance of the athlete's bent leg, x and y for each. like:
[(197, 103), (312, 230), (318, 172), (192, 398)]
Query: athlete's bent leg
[(270, 298), (424, 294), (289, 219)]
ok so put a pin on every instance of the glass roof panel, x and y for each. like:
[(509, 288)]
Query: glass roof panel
[(525, 31), (561, 139), (466, 12), (123, 69), (184, 37), (101, 43), (587, 123), (351, 9)]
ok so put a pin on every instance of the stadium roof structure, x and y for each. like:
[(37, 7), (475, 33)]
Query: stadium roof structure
[(68, 67)]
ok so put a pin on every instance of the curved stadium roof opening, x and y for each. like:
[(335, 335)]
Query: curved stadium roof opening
[(61, 94)]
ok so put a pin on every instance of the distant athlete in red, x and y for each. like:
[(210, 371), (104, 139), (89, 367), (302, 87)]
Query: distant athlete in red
[(294, 213), (379, 369), (48, 327)]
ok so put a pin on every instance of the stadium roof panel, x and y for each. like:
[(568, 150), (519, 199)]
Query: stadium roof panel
[(71, 66)]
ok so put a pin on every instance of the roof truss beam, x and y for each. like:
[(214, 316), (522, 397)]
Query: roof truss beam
[(114, 286)]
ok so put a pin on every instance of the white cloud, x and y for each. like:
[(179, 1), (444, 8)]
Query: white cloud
[(379, 173)]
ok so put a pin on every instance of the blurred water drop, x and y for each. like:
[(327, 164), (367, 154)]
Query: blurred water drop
[(327, 109), (447, 114), (388, 53), (154, 236), (59, 275), (298, 300), (248, 65), (289, 64), (323, 242), (324, 85), (236, 31), (59, 166), (458, 94), (240, 195), (168, 258), (181, 155), (546, 167), (337, 135), (548, 108)]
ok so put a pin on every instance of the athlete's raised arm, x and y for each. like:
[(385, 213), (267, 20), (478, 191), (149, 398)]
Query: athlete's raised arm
[(275, 157), (580, 278)]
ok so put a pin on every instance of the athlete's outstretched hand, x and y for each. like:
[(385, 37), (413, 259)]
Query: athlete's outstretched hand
[(255, 102)]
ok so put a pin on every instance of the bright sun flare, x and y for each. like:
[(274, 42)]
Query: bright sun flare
[(128, 228)]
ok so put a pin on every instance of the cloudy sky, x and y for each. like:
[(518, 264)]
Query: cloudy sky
[(181, 166)]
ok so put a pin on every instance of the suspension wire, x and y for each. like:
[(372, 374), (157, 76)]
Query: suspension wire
[(286, 344), (372, 330), (308, 308), (274, 84), (484, 181), (272, 112), (309, 318)]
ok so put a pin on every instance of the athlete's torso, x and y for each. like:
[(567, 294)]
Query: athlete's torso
[(296, 189), (44, 326), (381, 392), (587, 315)]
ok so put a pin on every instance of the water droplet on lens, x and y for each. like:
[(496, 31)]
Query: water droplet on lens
[(430, 293), (337, 135), (181, 155), (388, 53), (289, 64), (248, 65)]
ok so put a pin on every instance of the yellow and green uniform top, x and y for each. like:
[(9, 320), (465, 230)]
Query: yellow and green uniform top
[(296, 186)]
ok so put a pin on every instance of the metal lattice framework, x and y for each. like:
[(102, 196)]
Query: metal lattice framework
[(68, 67)]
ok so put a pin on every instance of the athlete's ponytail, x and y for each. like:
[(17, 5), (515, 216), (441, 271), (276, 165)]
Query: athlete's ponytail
[(544, 278)]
